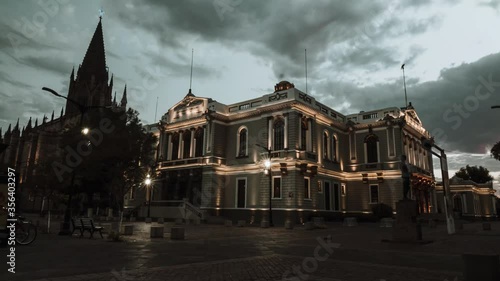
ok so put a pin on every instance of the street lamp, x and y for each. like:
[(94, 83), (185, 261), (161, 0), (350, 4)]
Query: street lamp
[(147, 182), (450, 222), (495, 106), (267, 166), (83, 109)]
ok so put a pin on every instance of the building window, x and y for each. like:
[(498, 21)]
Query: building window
[(276, 187), (334, 148), (303, 134), (370, 116), (374, 194), (175, 146), (307, 188), (371, 146), (186, 140), (242, 149), (279, 134), (198, 142), (326, 141)]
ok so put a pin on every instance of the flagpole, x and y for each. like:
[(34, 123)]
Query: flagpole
[(305, 58), (404, 83)]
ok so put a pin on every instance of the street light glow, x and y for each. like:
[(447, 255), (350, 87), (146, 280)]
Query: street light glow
[(148, 180), (85, 131), (267, 164)]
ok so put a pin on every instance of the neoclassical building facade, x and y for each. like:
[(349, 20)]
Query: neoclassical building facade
[(322, 162)]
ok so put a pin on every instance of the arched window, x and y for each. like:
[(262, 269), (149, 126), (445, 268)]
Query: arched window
[(279, 134), (242, 149), (186, 139), (334, 148), (371, 145), (175, 146), (303, 133), (326, 142), (198, 142)]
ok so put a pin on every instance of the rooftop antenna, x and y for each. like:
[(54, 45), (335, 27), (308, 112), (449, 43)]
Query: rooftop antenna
[(191, 79), (156, 110), (305, 57), (404, 83)]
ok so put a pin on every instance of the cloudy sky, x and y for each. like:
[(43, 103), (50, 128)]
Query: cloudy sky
[(242, 48)]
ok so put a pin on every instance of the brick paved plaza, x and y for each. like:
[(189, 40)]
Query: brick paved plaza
[(215, 252)]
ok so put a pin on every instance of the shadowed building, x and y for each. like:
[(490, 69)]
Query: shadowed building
[(470, 199), (323, 162), (37, 142)]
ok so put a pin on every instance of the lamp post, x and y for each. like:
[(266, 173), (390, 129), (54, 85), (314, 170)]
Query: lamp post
[(495, 106), (83, 109), (268, 167), (147, 182), (448, 207)]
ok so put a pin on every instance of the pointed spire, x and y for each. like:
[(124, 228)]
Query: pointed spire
[(44, 118), (1, 133), (16, 128), (62, 111), (29, 124), (73, 74), (94, 62), (123, 102), (8, 130), (22, 131), (111, 82), (36, 122), (114, 100), (52, 117)]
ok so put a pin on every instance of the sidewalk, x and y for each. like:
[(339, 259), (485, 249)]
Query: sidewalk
[(213, 252)]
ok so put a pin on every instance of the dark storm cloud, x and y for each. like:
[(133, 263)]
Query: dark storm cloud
[(6, 78), (282, 29), (55, 64), (455, 108), (175, 69)]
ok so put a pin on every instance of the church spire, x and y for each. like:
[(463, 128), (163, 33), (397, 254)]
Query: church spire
[(62, 112), (114, 100), (8, 130), (73, 74), (36, 122), (52, 117), (16, 128), (94, 62), (123, 102)]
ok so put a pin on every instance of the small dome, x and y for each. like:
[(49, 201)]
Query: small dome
[(283, 85)]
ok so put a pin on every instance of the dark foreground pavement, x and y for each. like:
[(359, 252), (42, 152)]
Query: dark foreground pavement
[(250, 253)]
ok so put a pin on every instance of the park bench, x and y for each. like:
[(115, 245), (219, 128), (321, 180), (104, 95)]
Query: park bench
[(77, 225), (86, 224)]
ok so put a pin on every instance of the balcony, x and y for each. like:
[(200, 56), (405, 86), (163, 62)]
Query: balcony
[(196, 161)]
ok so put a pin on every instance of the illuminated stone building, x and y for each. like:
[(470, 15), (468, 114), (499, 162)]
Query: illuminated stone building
[(322, 161)]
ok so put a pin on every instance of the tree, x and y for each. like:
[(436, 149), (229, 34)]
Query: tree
[(120, 160), (495, 151), (475, 174)]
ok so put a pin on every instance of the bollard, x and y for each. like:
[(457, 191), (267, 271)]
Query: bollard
[(157, 232), (350, 222), (128, 229), (177, 233), (310, 225), (481, 267)]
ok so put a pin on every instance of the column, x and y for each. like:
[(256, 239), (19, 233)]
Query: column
[(191, 150)]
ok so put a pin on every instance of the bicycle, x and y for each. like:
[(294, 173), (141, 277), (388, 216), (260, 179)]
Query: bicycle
[(25, 231)]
